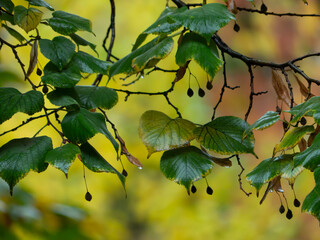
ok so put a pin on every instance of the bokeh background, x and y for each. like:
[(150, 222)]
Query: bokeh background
[(49, 206)]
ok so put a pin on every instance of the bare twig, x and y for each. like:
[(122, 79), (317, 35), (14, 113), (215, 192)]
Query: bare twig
[(239, 176), (277, 14)]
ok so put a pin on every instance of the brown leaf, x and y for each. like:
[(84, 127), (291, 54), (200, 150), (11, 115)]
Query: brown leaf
[(33, 58), (181, 72), (274, 185), (231, 5), (280, 88), (302, 145), (129, 156), (303, 89), (223, 162), (313, 135)]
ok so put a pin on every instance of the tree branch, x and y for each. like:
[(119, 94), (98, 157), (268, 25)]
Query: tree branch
[(277, 14)]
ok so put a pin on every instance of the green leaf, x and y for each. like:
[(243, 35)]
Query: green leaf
[(311, 204), (269, 169), (224, 135), (7, 5), (40, 3), (185, 165), (292, 137), (7, 17), (195, 47), (267, 120), (308, 108), (309, 158), (96, 163), (66, 23), (67, 78), (160, 132), (59, 50), (19, 156), (153, 55), (15, 34), (64, 97), (124, 65), (140, 39), (79, 126), (62, 157), (12, 101), (205, 20), (91, 97), (80, 41), (90, 64), (27, 18)]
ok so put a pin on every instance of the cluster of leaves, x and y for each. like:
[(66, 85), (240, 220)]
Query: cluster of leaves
[(181, 162)]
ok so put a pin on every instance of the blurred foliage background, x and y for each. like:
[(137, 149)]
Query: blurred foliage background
[(47, 206)]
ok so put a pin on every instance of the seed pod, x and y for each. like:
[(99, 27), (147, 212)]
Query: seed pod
[(296, 203), (263, 8), (124, 173), (209, 190), (88, 196), (236, 27), (289, 214), (209, 85), (303, 121), (193, 189), (45, 89), (281, 209), (39, 72), (190, 92), (201, 92)]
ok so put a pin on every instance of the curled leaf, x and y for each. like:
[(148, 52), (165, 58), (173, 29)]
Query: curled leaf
[(302, 145), (132, 159), (232, 7), (303, 89), (280, 88), (33, 58)]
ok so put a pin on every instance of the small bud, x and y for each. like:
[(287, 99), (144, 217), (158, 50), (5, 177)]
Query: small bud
[(296, 203), (236, 27), (281, 209), (209, 190), (263, 8), (303, 121), (45, 89), (124, 173), (39, 72), (201, 92), (88, 196), (190, 92), (209, 85), (193, 189), (289, 214)]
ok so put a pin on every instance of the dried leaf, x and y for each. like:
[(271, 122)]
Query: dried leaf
[(223, 162), (33, 58), (302, 145), (129, 156), (313, 135), (280, 88), (274, 185), (232, 7), (181, 72), (303, 89)]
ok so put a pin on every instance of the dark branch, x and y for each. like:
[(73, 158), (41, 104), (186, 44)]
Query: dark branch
[(277, 14), (239, 177), (179, 3)]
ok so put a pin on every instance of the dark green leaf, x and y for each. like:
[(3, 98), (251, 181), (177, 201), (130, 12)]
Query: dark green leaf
[(59, 50), (312, 202), (267, 120), (151, 56), (205, 20), (27, 18), (91, 97), (19, 156), (308, 108), (185, 165), (90, 64), (80, 41), (15, 34), (7, 17), (64, 97), (96, 163), (269, 169), (140, 39), (66, 23), (79, 126), (160, 132), (7, 5), (63, 157), (292, 137), (193, 46), (40, 3), (12, 101), (310, 158), (224, 135), (66, 78)]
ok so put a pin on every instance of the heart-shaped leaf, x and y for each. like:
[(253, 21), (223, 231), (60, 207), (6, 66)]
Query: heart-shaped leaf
[(62, 157), (79, 126), (59, 50), (19, 156), (40, 3), (160, 132), (67, 23), (185, 165), (27, 18), (90, 64), (224, 135), (193, 46), (12, 101)]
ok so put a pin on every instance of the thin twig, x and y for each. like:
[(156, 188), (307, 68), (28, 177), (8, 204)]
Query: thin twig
[(239, 177), (277, 14)]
